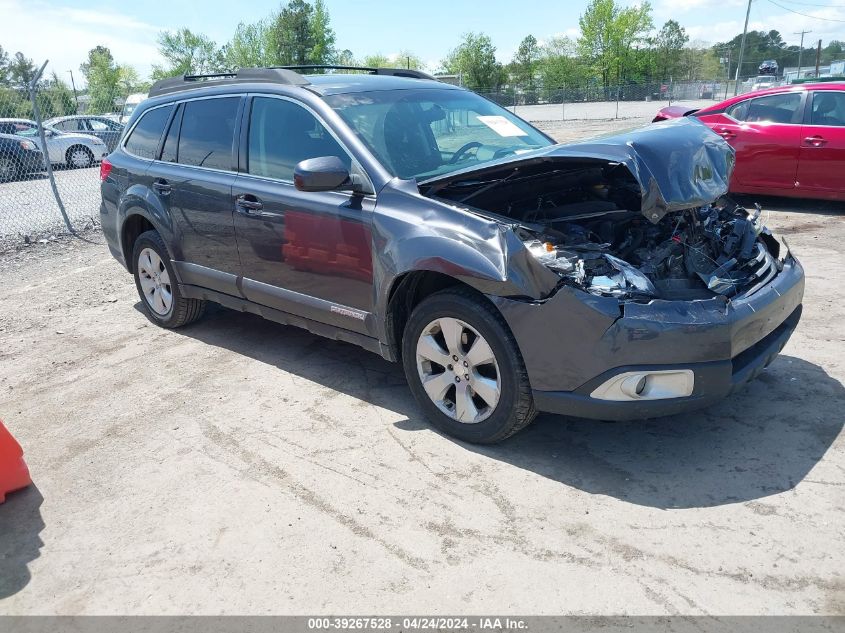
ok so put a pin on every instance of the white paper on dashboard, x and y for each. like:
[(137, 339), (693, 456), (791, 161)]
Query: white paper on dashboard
[(501, 126)]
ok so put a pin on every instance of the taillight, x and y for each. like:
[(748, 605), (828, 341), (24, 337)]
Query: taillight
[(105, 169)]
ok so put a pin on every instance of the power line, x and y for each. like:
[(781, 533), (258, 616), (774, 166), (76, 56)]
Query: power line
[(814, 4), (806, 15)]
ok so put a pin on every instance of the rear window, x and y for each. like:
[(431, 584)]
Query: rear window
[(208, 132), (144, 138)]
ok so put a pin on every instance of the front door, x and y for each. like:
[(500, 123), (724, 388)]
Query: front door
[(821, 166), (306, 253)]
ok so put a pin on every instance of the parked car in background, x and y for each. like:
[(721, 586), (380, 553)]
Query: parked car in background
[(18, 156), (130, 104), (763, 81), (69, 149), (768, 67), (789, 141), (103, 128)]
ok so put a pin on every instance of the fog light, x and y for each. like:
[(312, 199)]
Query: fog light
[(647, 385), (640, 386)]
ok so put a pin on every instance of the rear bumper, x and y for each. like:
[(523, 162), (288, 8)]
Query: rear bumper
[(574, 342)]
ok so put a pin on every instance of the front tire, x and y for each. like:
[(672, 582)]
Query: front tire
[(465, 369), (155, 279)]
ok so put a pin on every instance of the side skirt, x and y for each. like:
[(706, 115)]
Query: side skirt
[(285, 318)]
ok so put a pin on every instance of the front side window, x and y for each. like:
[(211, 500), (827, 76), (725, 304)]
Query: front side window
[(282, 133), (208, 132), (782, 108), (828, 109), (144, 138), (71, 125), (424, 133)]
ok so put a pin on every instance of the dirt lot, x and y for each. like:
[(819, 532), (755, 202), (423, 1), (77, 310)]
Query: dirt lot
[(238, 466)]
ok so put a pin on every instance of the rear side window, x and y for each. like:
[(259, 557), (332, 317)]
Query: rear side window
[(144, 138), (71, 125), (781, 108), (828, 109), (282, 133), (208, 132)]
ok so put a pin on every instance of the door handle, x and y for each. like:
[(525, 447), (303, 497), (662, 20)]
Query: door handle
[(815, 141), (248, 204), (162, 187)]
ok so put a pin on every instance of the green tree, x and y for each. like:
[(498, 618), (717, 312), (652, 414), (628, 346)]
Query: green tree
[(322, 51), (103, 77), (475, 60), (291, 36), (376, 60), (669, 45), (608, 33), (4, 67), (249, 46), (559, 66), (187, 53), (525, 62), (21, 70)]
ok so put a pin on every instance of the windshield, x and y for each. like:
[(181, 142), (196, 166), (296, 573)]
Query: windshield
[(425, 133)]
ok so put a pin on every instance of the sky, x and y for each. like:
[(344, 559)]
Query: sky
[(63, 31)]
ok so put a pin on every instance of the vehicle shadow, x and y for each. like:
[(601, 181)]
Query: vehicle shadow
[(20, 543), (761, 441)]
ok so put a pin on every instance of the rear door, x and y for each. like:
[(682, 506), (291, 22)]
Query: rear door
[(821, 166), (308, 253), (193, 178), (765, 132)]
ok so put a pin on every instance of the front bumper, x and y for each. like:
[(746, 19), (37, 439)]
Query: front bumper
[(573, 342)]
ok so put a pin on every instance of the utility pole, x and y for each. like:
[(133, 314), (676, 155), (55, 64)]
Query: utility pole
[(75, 96), (818, 58), (801, 49), (742, 48)]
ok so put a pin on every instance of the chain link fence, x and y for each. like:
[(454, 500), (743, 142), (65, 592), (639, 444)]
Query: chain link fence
[(53, 139), (51, 143)]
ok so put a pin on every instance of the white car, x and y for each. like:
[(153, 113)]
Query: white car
[(63, 148)]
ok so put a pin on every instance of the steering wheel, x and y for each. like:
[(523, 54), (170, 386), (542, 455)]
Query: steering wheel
[(463, 150)]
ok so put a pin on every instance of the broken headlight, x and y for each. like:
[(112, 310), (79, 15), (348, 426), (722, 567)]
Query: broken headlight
[(596, 272)]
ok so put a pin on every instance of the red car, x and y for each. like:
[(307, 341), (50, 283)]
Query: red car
[(789, 141)]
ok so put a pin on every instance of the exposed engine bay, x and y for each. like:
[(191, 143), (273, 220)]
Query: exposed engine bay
[(587, 222)]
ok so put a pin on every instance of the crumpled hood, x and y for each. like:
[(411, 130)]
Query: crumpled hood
[(679, 164)]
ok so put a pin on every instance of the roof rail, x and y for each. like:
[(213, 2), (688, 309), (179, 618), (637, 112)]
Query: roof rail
[(243, 75), (394, 72)]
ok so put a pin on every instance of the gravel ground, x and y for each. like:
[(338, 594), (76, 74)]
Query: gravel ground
[(238, 466)]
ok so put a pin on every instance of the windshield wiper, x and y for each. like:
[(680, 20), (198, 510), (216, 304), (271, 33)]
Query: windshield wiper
[(490, 185)]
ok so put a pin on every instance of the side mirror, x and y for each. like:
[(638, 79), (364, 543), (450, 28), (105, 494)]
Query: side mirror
[(326, 173)]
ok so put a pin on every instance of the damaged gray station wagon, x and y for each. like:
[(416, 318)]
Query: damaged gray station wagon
[(508, 274)]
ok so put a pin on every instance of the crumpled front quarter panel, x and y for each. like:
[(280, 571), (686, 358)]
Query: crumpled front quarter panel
[(412, 233)]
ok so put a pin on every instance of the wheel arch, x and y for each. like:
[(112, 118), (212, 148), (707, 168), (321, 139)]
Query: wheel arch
[(407, 291)]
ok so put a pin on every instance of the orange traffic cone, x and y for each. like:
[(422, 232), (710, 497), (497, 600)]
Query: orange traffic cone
[(14, 474)]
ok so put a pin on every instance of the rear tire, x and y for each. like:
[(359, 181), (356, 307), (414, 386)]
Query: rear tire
[(482, 397), (155, 279), (79, 157)]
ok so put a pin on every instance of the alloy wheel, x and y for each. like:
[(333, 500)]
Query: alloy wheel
[(458, 370), (155, 282)]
